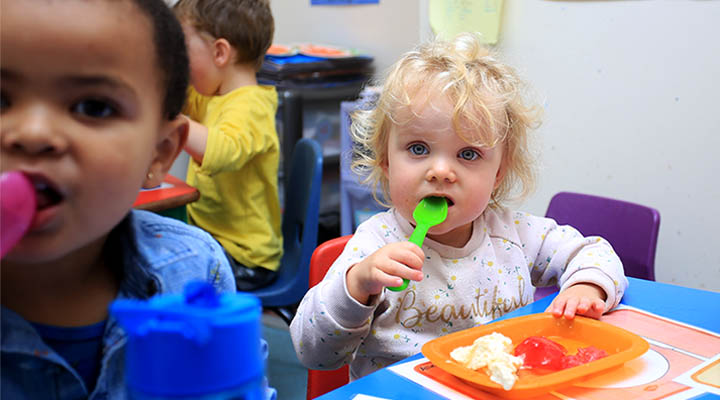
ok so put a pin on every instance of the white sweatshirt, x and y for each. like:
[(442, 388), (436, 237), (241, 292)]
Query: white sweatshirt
[(508, 254)]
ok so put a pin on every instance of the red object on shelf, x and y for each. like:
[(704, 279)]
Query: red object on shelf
[(173, 193)]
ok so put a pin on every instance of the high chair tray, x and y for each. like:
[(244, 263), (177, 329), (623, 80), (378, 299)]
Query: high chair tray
[(619, 344)]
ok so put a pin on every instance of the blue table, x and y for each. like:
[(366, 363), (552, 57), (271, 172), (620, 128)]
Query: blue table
[(695, 307)]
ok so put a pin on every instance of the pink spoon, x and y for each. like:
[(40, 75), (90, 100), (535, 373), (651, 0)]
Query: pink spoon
[(17, 208)]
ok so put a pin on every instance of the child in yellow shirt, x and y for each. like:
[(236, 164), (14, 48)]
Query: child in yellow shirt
[(233, 142)]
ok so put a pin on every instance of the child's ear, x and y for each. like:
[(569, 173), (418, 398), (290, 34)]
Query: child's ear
[(385, 166), (500, 175), (222, 52), (171, 141)]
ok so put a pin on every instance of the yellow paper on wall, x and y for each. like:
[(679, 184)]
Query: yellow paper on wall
[(450, 17)]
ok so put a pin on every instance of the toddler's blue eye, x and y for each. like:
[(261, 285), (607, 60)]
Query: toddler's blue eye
[(418, 149), (94, 108), (469, 154)]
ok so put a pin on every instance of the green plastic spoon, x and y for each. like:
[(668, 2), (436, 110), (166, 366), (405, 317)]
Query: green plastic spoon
[(429, 212)]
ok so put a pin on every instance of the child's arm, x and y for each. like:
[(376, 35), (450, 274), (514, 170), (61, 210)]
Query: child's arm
[(244, 130), (197, 140), (330, 324), (591, 275), (195, 106), (589, 272)]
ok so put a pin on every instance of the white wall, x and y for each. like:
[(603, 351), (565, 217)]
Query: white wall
[(384, 30), (631, 92)]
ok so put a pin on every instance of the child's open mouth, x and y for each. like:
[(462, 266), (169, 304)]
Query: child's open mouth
[(45, 194), (449, 201)]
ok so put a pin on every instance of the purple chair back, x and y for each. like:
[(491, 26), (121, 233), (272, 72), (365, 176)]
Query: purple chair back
[(632, 229)]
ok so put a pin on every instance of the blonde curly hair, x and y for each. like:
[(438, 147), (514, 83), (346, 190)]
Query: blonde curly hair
[(489, 109)]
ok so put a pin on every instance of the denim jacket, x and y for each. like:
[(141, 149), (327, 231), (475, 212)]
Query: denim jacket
[(159, 255)]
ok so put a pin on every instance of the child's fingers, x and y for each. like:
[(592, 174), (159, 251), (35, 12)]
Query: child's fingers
[(593, 311), (598, 308), (406, 261), (570, 308), (404, 253), (375, 279), (599, 305), (406, 272), (413, 259), (387, 280), (577, 301), (557, 307), (584, 305), (402, 267)]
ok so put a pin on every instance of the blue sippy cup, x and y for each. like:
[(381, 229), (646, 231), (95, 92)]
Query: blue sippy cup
[(198, 345)]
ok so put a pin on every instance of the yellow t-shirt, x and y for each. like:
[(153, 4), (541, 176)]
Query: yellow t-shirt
[(238, 178)]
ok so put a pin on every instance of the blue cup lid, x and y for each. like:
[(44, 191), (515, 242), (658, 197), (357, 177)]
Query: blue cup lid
[(191, 344)]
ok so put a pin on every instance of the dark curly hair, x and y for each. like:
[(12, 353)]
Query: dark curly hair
[(170, 52)]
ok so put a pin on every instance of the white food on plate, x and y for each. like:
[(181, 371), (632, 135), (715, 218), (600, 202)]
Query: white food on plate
[(494, 352)]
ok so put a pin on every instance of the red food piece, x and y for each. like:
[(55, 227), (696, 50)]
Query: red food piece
[(541, 352), (584, 355), (571, 361), (591, 353)]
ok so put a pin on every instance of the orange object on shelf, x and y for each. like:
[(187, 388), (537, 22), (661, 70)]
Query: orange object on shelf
[(619, 344), (281, 50), (326, 51)]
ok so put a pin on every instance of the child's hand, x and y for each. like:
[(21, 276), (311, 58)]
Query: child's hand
[(582, 299), (385, 267)]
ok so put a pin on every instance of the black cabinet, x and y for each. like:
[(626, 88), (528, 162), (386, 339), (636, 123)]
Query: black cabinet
[(314, 112)]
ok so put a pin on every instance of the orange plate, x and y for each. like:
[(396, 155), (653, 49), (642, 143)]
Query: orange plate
[(281, 50), (620, 345), (325, 51)]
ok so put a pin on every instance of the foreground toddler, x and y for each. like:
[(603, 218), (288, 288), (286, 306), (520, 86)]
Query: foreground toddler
[(91, 92)]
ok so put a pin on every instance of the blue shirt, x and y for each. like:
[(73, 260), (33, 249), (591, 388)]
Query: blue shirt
[(158, 255), (80, 346)]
